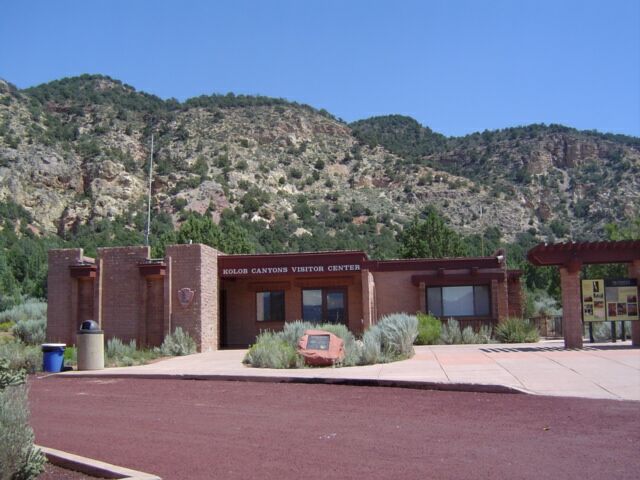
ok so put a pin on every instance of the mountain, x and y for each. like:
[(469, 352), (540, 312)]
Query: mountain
[(76, 150)]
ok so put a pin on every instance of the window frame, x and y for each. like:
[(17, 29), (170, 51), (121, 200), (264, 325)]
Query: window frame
[(475, 314), (325, 291), (284, 306)]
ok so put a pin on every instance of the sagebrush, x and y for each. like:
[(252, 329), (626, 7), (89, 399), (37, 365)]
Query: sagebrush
[(178, 343), (19, 459), (452, 334)]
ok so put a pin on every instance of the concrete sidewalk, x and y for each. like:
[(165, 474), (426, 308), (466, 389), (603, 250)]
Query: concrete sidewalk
[(610, 371)]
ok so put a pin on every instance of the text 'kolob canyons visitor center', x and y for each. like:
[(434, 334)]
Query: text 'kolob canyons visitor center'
[(226, 300)]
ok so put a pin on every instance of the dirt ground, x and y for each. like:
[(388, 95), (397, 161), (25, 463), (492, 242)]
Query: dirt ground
[(186, 429)]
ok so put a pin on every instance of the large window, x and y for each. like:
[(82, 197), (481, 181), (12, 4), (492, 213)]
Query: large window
[(270, 306), (464, 301), (324, 305)]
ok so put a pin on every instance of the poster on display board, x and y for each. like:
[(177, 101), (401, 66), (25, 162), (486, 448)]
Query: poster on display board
[(622, 299), (593, 301)]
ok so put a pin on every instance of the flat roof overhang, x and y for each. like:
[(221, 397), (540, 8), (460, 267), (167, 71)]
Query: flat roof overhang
[(83, 270), (578, 253), (152, 268)]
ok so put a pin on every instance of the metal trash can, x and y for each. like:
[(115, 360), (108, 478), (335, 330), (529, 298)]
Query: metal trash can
[(90, 344), (53, 357)]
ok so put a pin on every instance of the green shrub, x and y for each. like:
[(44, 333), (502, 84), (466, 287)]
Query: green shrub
[(21, 356), (6, 326), (272, 351), (70, 356), (19, 460), (178, 343), (31, 332), (516, 330), (429, 329)]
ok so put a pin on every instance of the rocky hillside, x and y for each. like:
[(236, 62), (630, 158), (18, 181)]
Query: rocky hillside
[(77, 149)]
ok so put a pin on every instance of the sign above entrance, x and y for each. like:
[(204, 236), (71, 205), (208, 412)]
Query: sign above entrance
[(290, 270)]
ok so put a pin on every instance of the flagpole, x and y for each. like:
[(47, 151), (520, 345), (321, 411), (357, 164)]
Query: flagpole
[(146, 233)]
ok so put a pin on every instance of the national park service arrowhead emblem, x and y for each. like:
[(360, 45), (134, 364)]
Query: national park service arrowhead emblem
[(185, 296)]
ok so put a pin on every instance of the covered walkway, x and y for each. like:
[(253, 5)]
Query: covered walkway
[(569, 258)]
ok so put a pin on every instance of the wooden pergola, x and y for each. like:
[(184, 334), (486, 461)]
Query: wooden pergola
[(569, 258)]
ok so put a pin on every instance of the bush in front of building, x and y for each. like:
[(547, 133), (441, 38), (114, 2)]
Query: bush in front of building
[(271, 350), (120, 354), (19, 459), (177, 344), (517, 330), (452, 334), (389, 340), (429, 329)]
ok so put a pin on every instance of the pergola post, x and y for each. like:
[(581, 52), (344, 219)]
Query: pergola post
[(634, 272), (571, 306)]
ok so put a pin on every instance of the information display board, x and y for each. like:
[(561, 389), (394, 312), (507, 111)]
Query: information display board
[(610, 300), (593, 302), (622, 299)]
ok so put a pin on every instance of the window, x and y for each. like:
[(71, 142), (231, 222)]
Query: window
[(270, 306), (464, 301), (324, 305)]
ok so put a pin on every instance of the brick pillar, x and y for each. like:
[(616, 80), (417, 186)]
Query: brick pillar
[(62, 295), (634, 272), (503, 300), (368, 299), (571, 306), (423, 297)]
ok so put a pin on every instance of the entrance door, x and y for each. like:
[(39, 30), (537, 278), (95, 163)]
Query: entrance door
[(223, 319)]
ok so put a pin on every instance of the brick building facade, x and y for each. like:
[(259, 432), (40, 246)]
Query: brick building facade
[(226, 300)]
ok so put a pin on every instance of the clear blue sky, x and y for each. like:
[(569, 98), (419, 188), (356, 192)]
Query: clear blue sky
[(455, 66)]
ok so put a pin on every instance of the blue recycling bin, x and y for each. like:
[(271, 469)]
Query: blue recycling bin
[(53, 357)]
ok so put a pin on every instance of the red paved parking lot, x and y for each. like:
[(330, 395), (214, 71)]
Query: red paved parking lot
[(182, 429)]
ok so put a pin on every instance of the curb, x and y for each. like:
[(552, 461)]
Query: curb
[(92, 467), (356, 382)]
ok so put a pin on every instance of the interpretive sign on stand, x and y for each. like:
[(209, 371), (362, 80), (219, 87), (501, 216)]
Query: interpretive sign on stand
[(613, 300), (593, 302)]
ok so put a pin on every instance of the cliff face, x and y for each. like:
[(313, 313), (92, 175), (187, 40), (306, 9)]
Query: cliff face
[(78, 149)]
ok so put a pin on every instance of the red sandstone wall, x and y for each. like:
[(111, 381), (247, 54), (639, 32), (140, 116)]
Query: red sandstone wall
[(61, 306), (122, 307), (195, 267)]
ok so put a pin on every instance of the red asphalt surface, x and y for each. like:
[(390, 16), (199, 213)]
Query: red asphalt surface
[(188, 429)]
